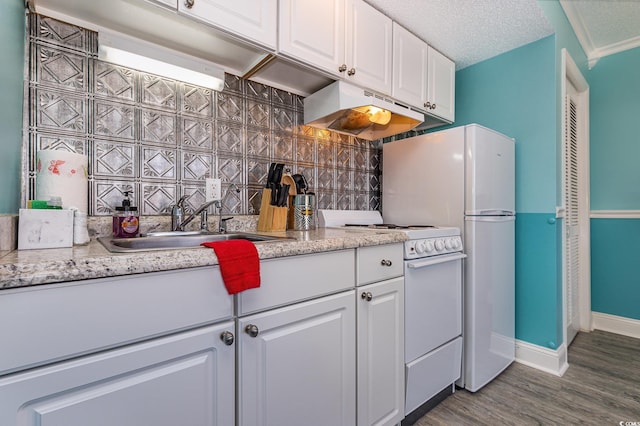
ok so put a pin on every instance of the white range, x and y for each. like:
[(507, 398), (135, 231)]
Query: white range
[(433, 303)]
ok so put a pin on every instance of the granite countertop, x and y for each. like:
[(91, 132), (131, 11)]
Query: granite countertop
[(20, 268)]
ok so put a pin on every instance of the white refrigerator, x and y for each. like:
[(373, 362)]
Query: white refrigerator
[(465, 177)]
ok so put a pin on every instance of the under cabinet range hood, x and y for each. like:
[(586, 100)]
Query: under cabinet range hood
[(349, 109)]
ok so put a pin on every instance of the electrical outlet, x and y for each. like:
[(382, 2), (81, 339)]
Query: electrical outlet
[(213, 189)]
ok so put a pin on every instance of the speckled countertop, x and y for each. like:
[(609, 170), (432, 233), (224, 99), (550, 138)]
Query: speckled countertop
[(20, 268)]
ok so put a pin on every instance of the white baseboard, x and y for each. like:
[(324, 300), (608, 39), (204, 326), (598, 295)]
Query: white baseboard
[(615, 324), (544, 359)]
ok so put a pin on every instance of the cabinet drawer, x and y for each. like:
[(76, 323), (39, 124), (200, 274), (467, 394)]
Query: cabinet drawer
[(379, 263), (53, 322), (431, 373), (291, 279)]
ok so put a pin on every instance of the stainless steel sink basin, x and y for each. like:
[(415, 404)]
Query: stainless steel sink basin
[(177, 239)]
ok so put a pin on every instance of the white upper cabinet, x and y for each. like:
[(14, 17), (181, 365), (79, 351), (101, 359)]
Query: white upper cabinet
[(422, 76), (409, 67), (369, 44), (254, 20), (313, 32), (347, 38), (441, 85)]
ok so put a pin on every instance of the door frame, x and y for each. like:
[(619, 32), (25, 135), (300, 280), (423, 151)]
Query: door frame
[(571, 73)]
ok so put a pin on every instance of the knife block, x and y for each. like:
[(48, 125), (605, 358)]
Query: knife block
[(271, 218)]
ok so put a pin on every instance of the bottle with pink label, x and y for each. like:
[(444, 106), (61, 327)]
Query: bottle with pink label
[(126, 221)]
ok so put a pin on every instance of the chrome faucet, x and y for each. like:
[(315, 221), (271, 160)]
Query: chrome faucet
[(177, 212)]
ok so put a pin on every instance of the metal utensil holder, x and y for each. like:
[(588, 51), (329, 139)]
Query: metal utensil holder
[(304, 212)]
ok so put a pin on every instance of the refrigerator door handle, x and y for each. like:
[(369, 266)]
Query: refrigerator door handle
[(496, 212), (490, 218)]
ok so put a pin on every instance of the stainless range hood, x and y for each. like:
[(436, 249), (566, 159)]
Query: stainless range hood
[(349, 109)]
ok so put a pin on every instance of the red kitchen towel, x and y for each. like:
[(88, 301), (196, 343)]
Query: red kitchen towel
[(239, 264)]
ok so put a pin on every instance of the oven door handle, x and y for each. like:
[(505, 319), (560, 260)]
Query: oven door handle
[(435, 260)]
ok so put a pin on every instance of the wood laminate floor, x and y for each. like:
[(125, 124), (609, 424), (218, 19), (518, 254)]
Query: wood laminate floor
[(601, 387)]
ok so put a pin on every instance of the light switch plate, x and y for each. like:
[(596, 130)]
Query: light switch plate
[(213, 189)]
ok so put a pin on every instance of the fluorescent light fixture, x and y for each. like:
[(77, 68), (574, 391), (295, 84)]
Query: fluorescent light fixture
[(152, 58)]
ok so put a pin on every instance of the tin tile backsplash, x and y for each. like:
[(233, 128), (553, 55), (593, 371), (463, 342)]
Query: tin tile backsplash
[(161, 138)]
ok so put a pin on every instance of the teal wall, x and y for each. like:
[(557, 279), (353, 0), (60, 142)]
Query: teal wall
[(615, 270), (514, 93), (511, 93), (565, 38), (615, 131), (538, 288), (615, 183), (11, 87)]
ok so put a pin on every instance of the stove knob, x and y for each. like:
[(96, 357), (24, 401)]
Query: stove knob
[(439, 245), (420, 247), (428, 246), (457, 243), (448, 244)]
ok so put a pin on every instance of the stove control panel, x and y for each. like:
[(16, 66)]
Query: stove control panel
[(427, 247)]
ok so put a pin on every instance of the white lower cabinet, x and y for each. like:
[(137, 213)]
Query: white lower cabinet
[(296, 364), (165, 349), (182, 379), (380, 313)]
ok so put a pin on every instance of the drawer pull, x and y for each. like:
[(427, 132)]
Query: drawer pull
[(252, 330), (189, 3), (385, 262), (366, 295), (227, 338)]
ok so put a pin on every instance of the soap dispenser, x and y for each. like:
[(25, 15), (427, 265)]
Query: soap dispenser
[(125, 219)]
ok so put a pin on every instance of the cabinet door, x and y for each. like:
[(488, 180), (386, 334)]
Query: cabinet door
[(441, 85), (254, 20), (184, 379), (381, 353), (409, 67), (298, 364), (313, 32), (369, 43)]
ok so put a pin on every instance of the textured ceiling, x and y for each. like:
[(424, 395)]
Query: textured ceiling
[(604, 27), (470, 31)]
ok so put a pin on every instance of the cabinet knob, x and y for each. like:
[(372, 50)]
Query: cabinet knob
[(366, 295), (189, 3), (252, 330), (342, 68), (385, 262), (351, 72), (433, 106), (427, 105), (227, 337)]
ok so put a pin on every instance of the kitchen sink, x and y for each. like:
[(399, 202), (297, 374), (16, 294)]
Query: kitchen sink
[(179, 239)]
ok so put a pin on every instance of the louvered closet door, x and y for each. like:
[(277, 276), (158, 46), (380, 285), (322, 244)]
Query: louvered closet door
[(571, 222)]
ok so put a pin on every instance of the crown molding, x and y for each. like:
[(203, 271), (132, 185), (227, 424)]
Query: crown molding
[(579, 27), (581, 31)]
